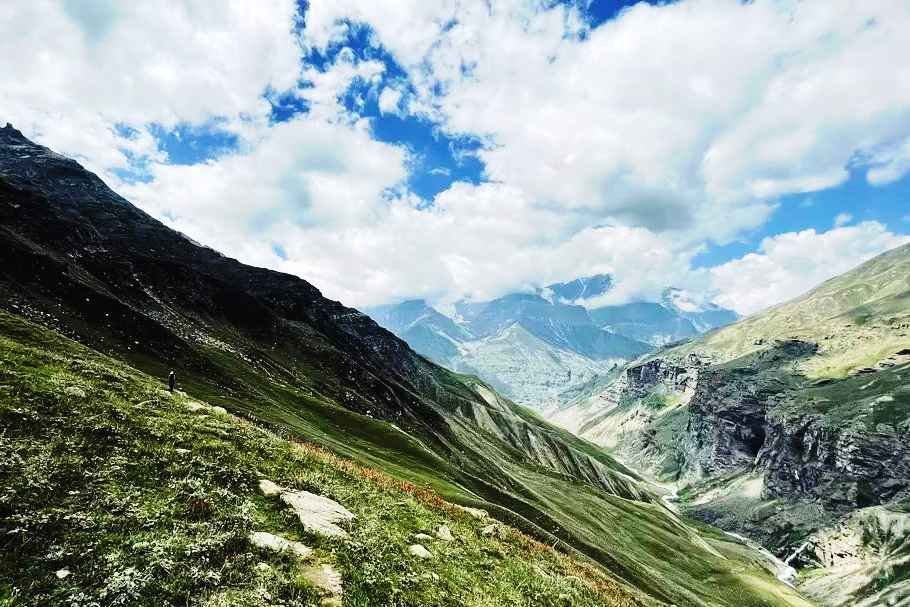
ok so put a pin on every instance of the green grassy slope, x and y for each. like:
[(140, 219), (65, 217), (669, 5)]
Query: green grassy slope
[(145, 502), (857, 318), (643, 544), (133, 510)]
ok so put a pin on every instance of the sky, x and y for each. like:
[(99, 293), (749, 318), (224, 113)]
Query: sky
[(448, 149)]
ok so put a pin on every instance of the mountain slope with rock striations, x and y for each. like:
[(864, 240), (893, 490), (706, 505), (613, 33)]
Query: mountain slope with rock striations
[(790, 427), (266, 347)]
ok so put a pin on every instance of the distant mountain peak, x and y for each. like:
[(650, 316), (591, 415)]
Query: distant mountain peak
[(9, 134), (585, 287)]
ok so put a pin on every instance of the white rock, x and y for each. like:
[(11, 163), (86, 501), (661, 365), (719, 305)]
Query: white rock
[(181, 450), (444, 533), (76, 392), (269, 488), (475, 512), (269, 541), (202, 408), (423, 537), (62, 574), (263, 567), (318, 514), (489, 531), (325, 578), (419, 551)]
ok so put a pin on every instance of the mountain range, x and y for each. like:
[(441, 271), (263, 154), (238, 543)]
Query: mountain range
[(540, 348), (789, 427), (118, 491)]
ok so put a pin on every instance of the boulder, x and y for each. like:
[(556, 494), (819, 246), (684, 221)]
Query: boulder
[(62, 574), (474, 512), (195, 407), (327, 580), (444, 533), (318, 514), (74, 391), (419, 551), (490, 531), (268, 488), (276, 543), (423, 537)]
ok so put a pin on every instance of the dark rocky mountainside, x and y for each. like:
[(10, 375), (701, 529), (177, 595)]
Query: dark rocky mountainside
[(81, 260), (790, 426)]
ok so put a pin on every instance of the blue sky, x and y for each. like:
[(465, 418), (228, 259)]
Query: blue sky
[(445, 150), (888, 204)]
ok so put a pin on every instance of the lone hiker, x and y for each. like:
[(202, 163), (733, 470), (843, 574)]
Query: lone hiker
[(171, 380)]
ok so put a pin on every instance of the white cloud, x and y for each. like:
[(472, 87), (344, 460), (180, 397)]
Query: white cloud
[(668, 116), (622, 150), (890, 163), (73, 70), (390, 100), (842, 219), (788, 265), (304, 174)]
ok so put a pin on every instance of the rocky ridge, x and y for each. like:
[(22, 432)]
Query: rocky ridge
[(781, 425)]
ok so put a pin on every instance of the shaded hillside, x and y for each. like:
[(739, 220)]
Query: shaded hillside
[(83, 261), (786, 426), (424, 329)]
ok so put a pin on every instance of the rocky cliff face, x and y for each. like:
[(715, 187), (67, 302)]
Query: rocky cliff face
[(782, 425), (752, 415)]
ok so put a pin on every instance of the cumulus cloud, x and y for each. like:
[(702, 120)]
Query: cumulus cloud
[(390, 100), (620, 149), (73, 71), (788, 265), (842, 219), (668, 116)]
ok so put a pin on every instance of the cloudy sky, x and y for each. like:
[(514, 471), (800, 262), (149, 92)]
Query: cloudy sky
[(466, 148)]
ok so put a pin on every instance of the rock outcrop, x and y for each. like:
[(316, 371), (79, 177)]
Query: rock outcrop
[(318, 514), (276, 543)]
